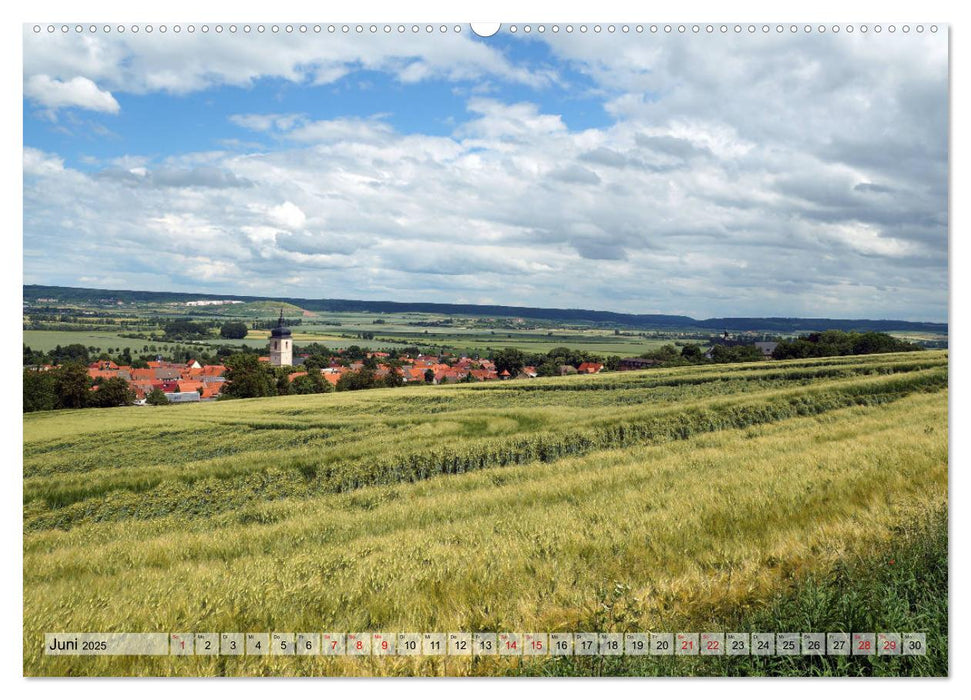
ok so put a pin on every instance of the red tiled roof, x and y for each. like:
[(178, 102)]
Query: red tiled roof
[(103, 364), (211, 390)]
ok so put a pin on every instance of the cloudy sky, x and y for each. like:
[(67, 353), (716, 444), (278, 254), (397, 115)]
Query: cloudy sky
[(709, 175)]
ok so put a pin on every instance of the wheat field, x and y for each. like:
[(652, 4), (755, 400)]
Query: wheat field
[(620, 502)]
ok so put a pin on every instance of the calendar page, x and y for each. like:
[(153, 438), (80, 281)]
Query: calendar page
[(438, 348)]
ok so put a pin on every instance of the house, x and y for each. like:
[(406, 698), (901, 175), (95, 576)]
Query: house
[(103, 365), (589, 367), (211, 390), (634, 363), (766, 347), (189, 385), (141, 388), (564, 370)]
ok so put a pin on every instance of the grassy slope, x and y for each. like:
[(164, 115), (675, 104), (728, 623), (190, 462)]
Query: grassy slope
[(694, 529)]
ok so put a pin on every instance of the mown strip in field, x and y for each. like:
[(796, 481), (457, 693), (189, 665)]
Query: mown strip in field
[(201, 489), (694, 531)]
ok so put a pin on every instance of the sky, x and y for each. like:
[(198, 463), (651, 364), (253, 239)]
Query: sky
[(764, 174)]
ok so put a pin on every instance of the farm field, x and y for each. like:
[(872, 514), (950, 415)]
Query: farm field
[(335, 337), (693, 498), (48, 340)]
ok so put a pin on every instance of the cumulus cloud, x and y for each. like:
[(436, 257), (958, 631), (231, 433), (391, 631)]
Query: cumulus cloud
[(186, 63), (36, 162), (75, 92), (288, 215)]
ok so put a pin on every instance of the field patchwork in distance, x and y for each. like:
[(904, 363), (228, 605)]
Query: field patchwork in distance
[(617, 502)]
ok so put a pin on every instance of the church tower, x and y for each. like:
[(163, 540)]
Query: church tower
[(281, 345)]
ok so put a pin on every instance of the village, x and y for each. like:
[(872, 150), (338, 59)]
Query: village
[(294, 371), (192, 382)]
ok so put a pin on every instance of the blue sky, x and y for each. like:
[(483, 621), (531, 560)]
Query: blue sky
[(764, 175), (200, 121)]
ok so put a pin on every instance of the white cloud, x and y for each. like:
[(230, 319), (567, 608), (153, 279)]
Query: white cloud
[(288, 215), (266, 122), (185, 63), (76, 92), (37, 162)]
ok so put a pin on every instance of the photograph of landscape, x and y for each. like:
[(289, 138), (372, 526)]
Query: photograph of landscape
[(533, 350)]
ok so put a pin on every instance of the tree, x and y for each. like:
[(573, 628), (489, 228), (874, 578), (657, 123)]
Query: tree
[(736, 353), (510, 360), (692, 352), (393, 378), (354, 352), (354, 381), (665, 353), (113, 392), (315, 363), (185, 329), (236, 330), (547, 369), (283, 381), (75, 352), (429, 376), (72, 385), (156, 397), (247, 377), (33, 357), (40, 390), (312, 383)]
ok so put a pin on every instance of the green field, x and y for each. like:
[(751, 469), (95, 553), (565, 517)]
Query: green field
[(46, 341), (696, 498)]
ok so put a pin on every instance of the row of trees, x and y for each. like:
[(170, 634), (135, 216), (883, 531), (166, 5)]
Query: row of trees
[(824, 344), (69, 386), (247, 377), (832, 343), (77, 352), (547, 364)]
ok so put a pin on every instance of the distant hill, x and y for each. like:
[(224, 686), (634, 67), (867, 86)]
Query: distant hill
[(34, 292)]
